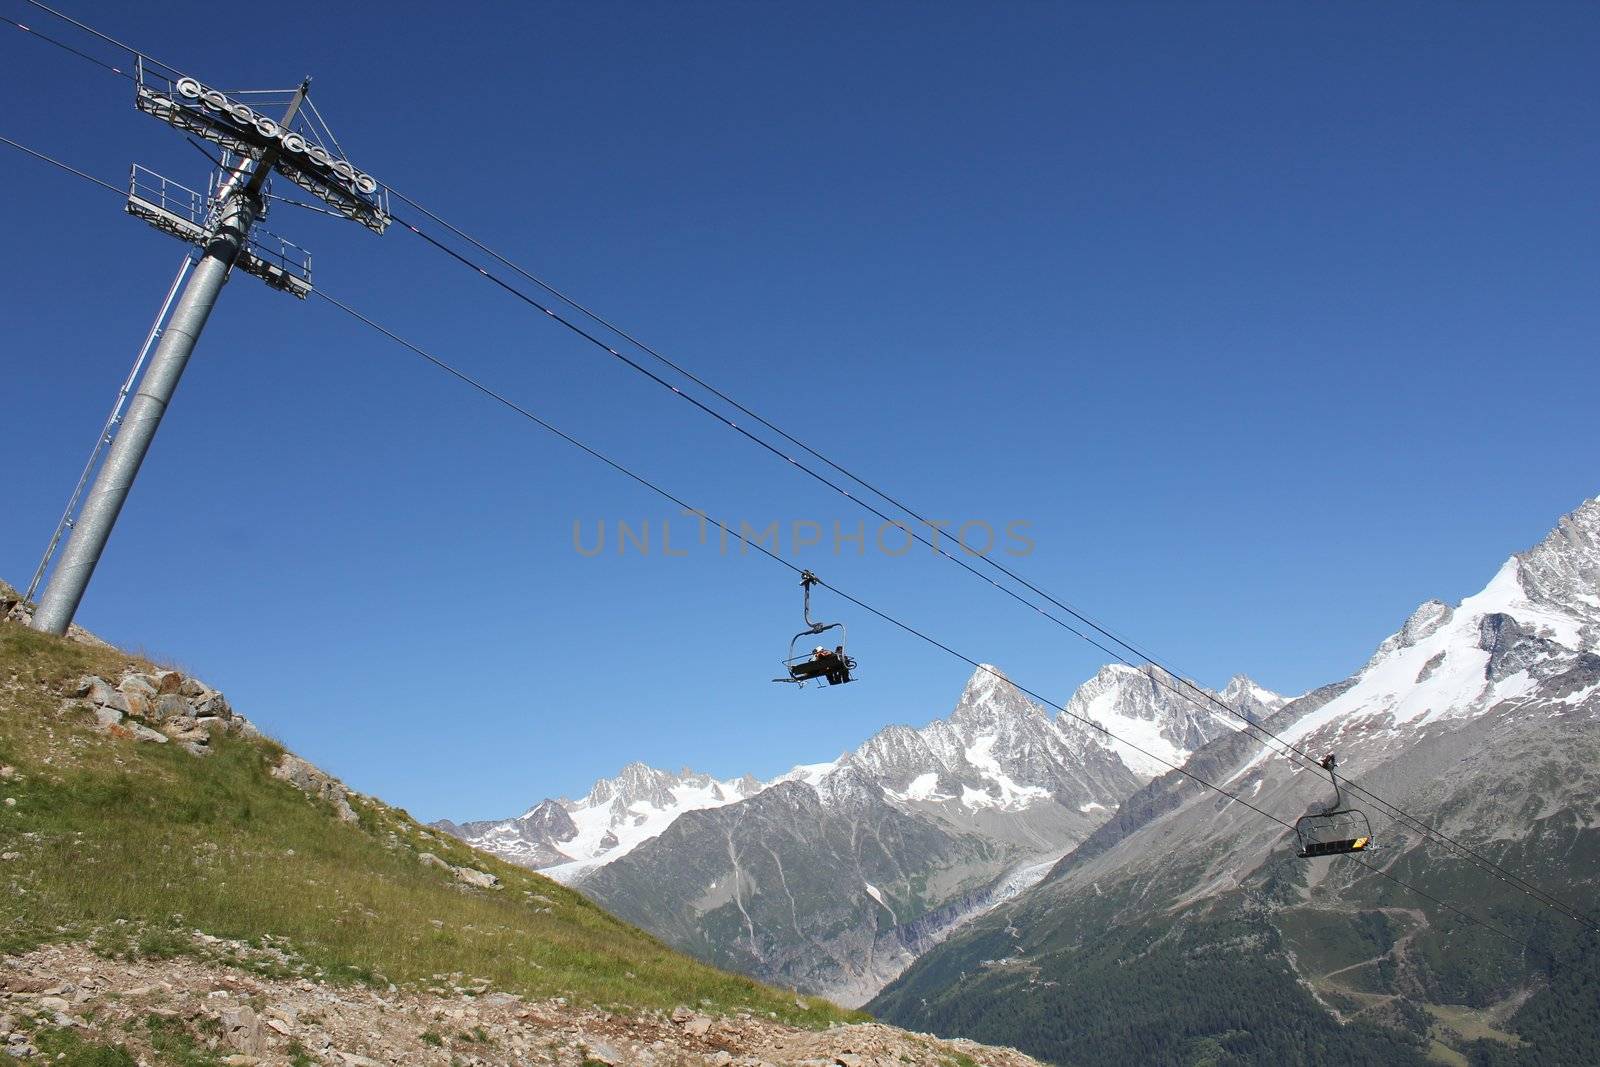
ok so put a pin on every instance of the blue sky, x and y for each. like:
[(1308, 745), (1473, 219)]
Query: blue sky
[(1271, 320)]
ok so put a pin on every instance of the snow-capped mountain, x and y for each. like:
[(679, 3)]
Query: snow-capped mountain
[(1538, 615), (997, 752), (1151, 719), (834, 876), (1482, 720), (565, 838), (1244, 695)]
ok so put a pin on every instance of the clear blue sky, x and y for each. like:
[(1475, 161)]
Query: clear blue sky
[(1273, 320)]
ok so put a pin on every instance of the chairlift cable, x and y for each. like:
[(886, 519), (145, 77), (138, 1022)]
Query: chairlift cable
[(1193, 693), (64, 166), (147, 57), (1394, 811), (921, 635), (41, 35)]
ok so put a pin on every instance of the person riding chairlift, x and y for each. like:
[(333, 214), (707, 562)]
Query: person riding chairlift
[(834, 669)]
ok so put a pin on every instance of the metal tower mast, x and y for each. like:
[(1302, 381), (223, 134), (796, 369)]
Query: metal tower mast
[(109, 430), (258, 146)]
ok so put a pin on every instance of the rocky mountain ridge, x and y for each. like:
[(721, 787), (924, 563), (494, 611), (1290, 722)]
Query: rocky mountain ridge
[(997, 752)]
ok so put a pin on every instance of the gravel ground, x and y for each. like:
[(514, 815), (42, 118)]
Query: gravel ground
[(230, 1015)]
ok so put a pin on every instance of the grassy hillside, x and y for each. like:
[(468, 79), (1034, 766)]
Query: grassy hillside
[(132, 845)]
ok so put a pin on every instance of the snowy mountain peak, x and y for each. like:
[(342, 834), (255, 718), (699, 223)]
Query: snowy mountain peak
[(848, 789), (1538, 617), (1562, 572), (636, 781), (1425, 621), (1157, 719), (990, 697), (1429, 617), (1245, 694), (549, 819)]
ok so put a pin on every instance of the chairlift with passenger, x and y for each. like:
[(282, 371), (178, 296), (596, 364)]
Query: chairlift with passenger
[(831, 665)]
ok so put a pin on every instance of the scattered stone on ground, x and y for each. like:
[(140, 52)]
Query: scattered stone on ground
[(246, 1020), (465, 875)]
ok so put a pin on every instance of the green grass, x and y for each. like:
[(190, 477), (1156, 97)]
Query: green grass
[(132, 845), (173, 1042), (65, 1047)]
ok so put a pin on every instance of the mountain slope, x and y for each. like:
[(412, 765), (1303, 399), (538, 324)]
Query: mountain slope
[(177, 890), (122, 835), (1186, 928), (806, 890)]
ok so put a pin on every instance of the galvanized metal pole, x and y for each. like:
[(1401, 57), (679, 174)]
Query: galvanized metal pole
[(109, 430), (71, 576), (237, 210)]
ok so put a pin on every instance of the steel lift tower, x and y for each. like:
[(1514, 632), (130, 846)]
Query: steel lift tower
[(299, 146)]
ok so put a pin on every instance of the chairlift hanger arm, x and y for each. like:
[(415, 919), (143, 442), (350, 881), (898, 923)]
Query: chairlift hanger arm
[(807, 580), (1330, 762)]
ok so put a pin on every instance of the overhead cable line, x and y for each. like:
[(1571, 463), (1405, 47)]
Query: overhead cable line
[(65, 47), (85, 27), (1393, 810), (921, 635), (1191, 692), (64, 166)]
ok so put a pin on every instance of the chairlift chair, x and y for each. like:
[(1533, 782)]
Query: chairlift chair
[(833, 666), (1336, 830)]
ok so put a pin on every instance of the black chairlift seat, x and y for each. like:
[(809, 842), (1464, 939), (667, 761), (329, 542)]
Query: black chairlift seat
[(833, 666), (830, 665), (1333, 833), (1337, 831)]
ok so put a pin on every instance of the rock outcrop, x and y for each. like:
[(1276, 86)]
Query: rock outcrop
[(315, 782), (160, 706)]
